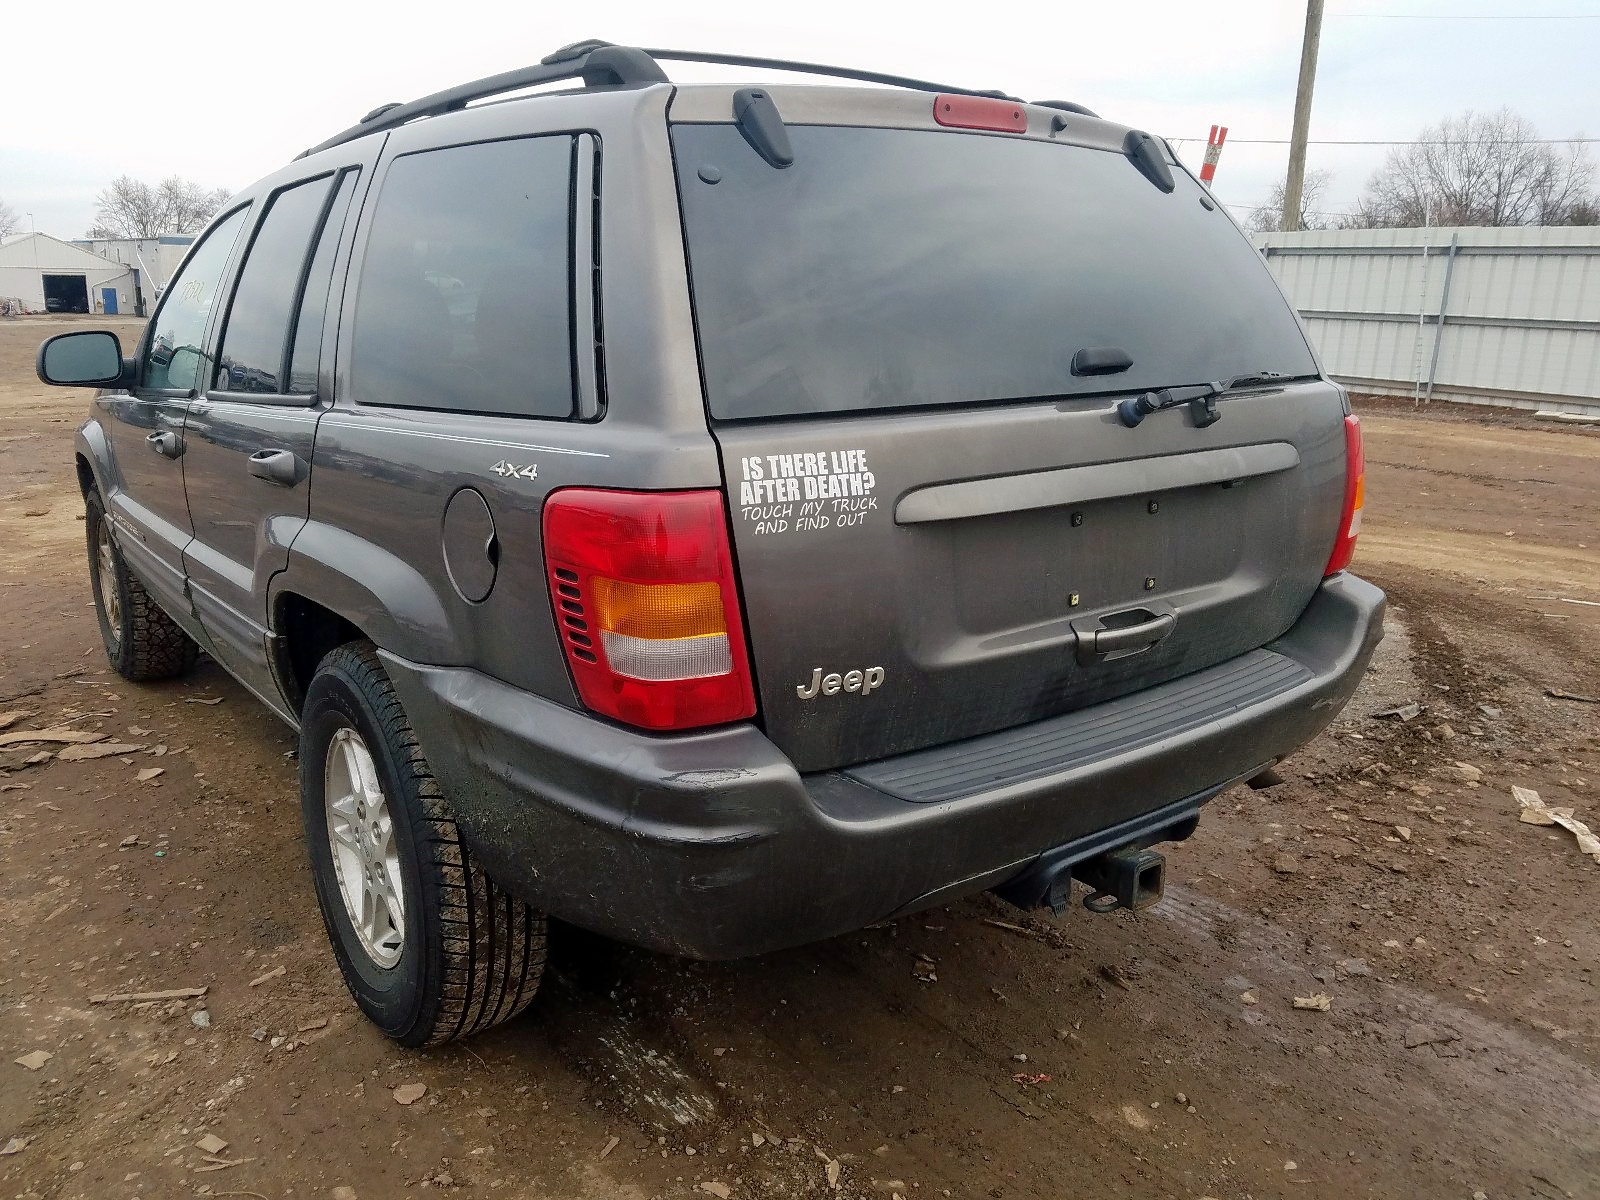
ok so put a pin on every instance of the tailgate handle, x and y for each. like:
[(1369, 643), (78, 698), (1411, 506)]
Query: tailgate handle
[(1128, 633)]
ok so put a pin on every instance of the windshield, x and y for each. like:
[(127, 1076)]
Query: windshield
[(888, 268)]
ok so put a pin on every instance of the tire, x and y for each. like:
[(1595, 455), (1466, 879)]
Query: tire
[(142, 643), (464, 954)]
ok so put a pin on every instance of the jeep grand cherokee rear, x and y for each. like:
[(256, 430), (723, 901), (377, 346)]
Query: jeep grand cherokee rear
[(725, 517), (975, 625)]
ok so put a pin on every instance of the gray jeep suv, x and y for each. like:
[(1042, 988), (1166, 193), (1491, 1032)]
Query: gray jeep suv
[(722, 517)]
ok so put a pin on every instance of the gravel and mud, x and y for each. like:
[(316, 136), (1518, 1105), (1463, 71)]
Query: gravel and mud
[(969, 1051)]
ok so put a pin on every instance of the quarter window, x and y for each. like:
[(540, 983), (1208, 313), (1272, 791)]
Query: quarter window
[(466, 286), (173, 357)]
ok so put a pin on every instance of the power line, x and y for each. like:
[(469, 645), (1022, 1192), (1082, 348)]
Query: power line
[(1232, 141), (1315, 212), (1474, 16)]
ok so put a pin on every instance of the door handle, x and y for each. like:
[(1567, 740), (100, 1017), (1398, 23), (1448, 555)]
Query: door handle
[(1128, 634), (276, 466), (168, 445)]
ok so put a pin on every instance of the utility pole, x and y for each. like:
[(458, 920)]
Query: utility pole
[(1294, 186)]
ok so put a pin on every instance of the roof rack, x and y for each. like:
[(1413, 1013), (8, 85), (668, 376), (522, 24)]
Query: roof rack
[(601, 64)]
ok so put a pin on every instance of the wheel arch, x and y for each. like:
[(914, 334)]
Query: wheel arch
[(339, 587), (304, 633), (91, 456)]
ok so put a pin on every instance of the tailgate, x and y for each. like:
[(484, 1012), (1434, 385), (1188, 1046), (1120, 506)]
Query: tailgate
[(952, 569), (941, 529)]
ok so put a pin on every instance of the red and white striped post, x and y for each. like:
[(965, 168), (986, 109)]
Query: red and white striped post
[(1208, 169)]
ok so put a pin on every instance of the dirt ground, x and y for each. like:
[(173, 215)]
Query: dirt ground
[(1164, 1055)]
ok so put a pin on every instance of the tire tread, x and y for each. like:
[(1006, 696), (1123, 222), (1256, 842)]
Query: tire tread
[(152, 646), (493, 945)]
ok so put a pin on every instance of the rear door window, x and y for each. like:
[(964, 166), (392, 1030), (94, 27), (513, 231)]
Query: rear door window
[(893, 268), (256, 337), (306, 348), (465, 294)]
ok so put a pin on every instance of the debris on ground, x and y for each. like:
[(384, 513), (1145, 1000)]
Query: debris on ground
[(82, 753), (1428, 1035), (1007, 925), (925, 970), (19, 737), (1024, 1077), (611, 1144), (1468, 772), (410, 1093), (200, 1019), (1558, 694), (712, 1188), (15, 1145), (1249, 998), (211, 1144), (34, 1059), (210, 700), (272, 974), (1285, 864), (1536, 812), (1406, 712), (1316, 1002), (149, 773), (188, 993), (342, 1192)]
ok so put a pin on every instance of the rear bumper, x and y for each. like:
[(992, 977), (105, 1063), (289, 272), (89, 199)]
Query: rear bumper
[(712, 845)]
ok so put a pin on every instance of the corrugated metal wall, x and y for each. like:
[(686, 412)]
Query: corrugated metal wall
[(1520, 310)]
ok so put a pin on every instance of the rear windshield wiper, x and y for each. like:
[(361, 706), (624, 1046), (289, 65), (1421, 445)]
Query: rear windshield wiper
[(1201, 397)]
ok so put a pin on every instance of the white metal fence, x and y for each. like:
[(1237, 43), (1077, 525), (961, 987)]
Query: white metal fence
[(1487, 316)]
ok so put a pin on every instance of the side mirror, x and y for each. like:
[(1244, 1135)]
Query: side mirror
[(84, 358)]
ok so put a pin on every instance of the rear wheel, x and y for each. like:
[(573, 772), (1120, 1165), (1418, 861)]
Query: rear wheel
[(142, 642), (430, 947)]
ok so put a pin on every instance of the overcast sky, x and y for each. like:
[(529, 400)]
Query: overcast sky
[(224, 92)]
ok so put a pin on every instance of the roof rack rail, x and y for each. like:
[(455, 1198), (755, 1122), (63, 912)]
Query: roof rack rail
[(603, 64), (807, 68), (598, 64)]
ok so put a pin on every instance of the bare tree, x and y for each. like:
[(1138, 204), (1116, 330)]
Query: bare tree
[(1269, 217), (1481, 169), (131, 208), (10, 222)]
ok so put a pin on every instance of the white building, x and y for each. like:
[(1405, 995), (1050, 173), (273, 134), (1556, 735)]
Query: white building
[(49, 275), (153, 260)]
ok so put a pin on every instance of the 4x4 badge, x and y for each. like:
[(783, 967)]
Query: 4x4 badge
[(508, 469)]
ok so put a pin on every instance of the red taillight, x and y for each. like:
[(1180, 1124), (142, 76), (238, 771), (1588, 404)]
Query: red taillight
[(643, 590), (980, 112), (1355, 494)]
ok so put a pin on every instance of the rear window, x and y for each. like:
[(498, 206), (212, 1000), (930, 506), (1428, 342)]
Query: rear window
[(889, 268)]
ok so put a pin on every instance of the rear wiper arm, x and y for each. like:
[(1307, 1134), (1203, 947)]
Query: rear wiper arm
[(1201, 397)]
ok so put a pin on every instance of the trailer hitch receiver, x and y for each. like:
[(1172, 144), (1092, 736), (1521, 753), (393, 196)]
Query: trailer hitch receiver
[(1127, 878)]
